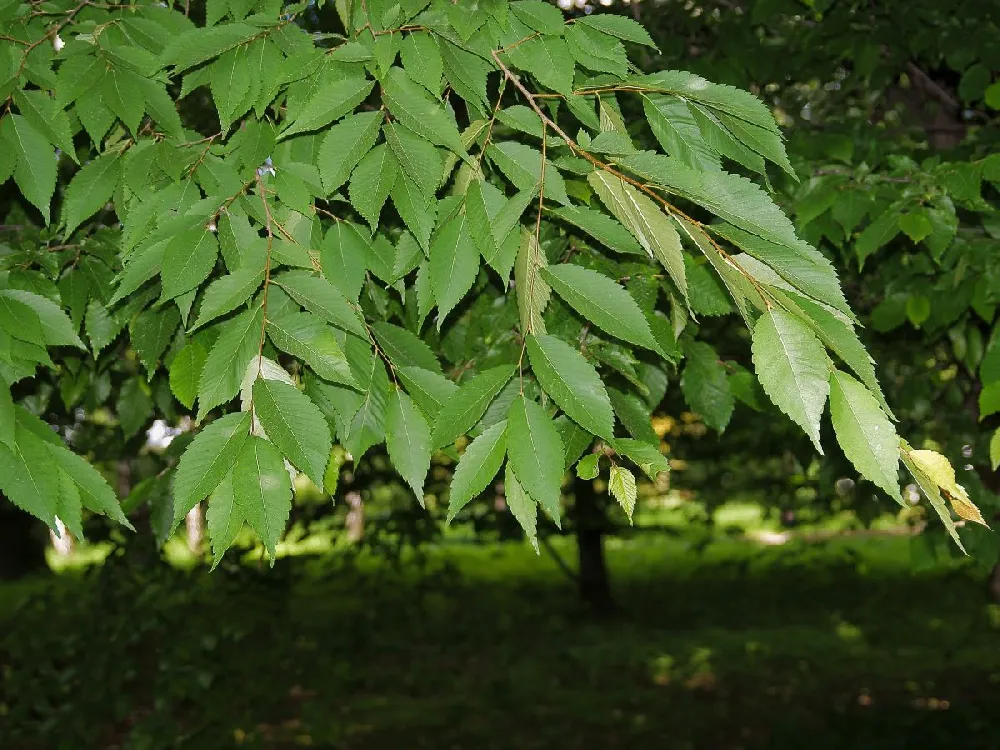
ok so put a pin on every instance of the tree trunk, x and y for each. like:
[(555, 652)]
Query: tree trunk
[(590, 522)]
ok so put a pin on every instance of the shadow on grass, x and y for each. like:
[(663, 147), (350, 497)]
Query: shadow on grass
[(485, 647)]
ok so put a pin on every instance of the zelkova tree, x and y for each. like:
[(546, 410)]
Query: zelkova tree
[(433, 226)]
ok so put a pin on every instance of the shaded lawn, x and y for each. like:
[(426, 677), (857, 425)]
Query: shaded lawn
[(830, 645)]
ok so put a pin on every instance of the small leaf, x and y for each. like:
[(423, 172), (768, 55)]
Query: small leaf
[(647, 457), (306, 336), (705, 385), (477, 467), (865, 434), (572, 382), (620, 26), (601, 301), (454, 263), (320, 297), (793, 368), (227, 361), (207, 460), (223, 518), (262, 490), (536, 453), (372, 181), (622, 487), (187, 261), (468, 404), (939, 470), (34, 165), (589, 466), (532, 291), (407, 438), (90, 189), (329, 102), (522, 506), (185, 372), (294, 424)]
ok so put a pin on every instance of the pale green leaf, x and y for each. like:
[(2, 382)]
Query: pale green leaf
[(793, 367), (262, 490), (572, 382), (294, 424), (865, 434), (601, 301), (622, 27), (207, 460), (477, 467), (408, 438), (533, 292), (622, 487), (468, 404)]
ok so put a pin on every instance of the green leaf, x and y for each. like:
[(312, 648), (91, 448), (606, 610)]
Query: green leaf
[(572, 382), (793, 368), (19, 319), (344, 145), (200, 44), (468, 404), (227, 362), (187, 261), (151, 332), (416, 210), (602, 228), (6, 414), (705, 386), (371, 182), (228, 292), (56, 329), (521, 505), (294, 424), (404, 348), (185, 372), (46, 114), (622, 487), (329, 102), (536, 453), (539, 16), (430, 390), (34, 165), (416, 109), (865, 434), (26, 478), (916, 225), (601, 301), (422, 61), (262, 490), (548, 60), (320, 297), (96, 494), (223, 518), (646, 456), (678, 133), (923, 466), (619, 26), (477, 467), (407, 438), (880, 232), (995, 446), (532, 291), (647, 223), (418, 159), (589, 466), (344, 255), (207, 460), (306, 336), (522, 165), (133, 406), (454, 263), (231, 85)]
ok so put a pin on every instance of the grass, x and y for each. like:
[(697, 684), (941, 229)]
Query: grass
[(733, 645)]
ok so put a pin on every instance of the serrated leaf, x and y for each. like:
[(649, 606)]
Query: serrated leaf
[(308, 337), (407, 438), (185, 372), (6, 414), (539, 16), (55, 327), (26, 478), (705, 386), (533, 292), (601, 301), (589, 466), (646, 456), (430, 390), (34, 165), (454, 263), (793, 368), (367, 424), (522, 506), (404, 348), (930, 488), (572, 382), (227, 361), (865, 434), (228, 292), (344, 145), (477, 467), (419, 160), (200, 44), (602, 228), (647, 223), (522, 165), (223, 519), (422, 61), (207, 460), (619, 26), (294, 424), (416, 109), (678, 133), (548, 59), (151, 332), (344, 255), (468, 404), (320, 297), (187, 261), (371, 182), (329, 102), (262, 490), (622, 487), (536, 453)]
